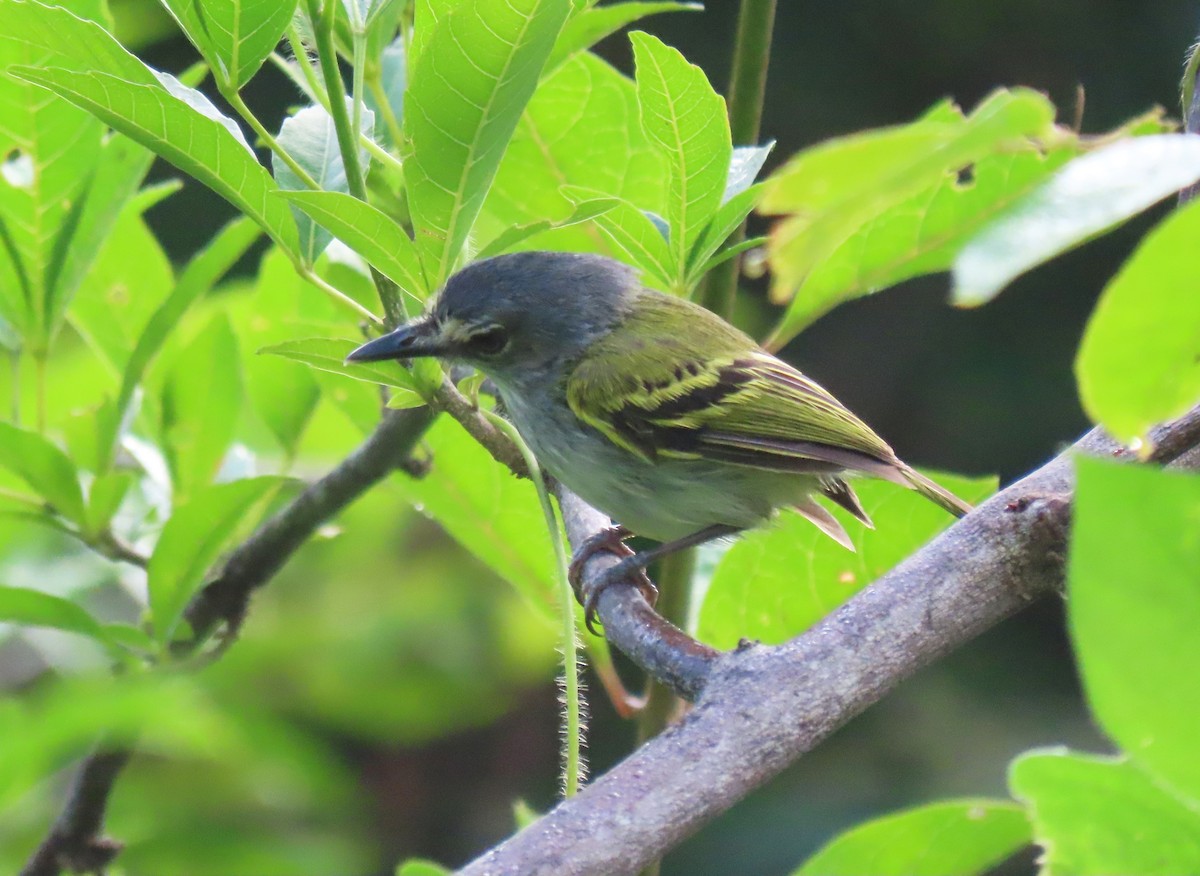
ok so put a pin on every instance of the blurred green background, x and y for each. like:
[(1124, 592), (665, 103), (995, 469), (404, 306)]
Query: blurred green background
[(404, 696)]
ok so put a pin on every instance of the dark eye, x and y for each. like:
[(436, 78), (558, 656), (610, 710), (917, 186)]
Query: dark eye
[(490, 341)]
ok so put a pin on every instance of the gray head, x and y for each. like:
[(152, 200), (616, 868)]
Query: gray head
[(517, 314)]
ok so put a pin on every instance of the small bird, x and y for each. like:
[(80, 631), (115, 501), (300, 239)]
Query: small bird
[(649, 407)]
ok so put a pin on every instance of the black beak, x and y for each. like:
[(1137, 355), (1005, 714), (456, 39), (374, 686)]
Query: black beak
[(418, 338)]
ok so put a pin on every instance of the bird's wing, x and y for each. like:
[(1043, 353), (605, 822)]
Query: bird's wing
[(715, 394)]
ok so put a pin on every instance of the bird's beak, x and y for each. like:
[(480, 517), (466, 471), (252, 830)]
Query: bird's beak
[(418, 338)]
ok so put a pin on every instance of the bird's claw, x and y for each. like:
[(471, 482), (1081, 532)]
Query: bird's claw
[(611, 540)]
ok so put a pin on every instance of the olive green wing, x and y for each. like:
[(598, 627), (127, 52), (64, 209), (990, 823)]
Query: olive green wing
[(684, 384)]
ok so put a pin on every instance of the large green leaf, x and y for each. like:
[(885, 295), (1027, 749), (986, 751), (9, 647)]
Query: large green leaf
[(687, 120), (46, 469), (1100, 816), (234, 36), (634, 237), (310, 138), (776, 582), (557, 143), (49, 150), (830, 191), (1090, 195), (181, 134), (190, 543), (1134, 608), (953, 838), (371, 233), (488, 510), (201, 400), (1138, 362), (471, 82), (920, 234)]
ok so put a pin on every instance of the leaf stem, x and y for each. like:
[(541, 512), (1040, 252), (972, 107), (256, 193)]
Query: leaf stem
[(573, 765), (375, 84), (304, 62), (15, 357), (336, 89), (747, 87), (39, 374), (239, 105), (333, 292)]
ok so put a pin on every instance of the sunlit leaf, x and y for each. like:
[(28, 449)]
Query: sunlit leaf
[(473, 78), (329, 354), (1099, 816), (954, 838), (686, 118), (1138, 362), (1090, 195), (46, 469), (1133, 609)]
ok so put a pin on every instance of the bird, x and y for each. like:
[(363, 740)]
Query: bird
[(651, 408)]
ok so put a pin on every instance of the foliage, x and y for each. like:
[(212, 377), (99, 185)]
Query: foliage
[(150, 432)]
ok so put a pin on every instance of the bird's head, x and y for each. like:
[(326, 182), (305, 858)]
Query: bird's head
[(515, 315)]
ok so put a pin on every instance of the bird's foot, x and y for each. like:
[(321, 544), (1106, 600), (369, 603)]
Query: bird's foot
[(628, 571)]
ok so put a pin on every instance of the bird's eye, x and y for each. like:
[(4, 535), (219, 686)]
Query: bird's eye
[(490, 341)]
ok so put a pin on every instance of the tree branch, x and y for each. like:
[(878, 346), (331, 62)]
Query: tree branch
[(759, 708), (74, 842)]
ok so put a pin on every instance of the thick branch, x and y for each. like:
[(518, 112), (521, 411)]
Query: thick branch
[(763, 707)]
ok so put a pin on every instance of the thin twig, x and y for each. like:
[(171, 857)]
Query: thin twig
[(759, 708)]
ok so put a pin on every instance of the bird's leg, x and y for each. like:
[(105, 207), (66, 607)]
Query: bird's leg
[(632, 568)]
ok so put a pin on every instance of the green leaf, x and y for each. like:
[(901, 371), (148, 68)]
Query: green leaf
[(488, 510), (202, 273), (830, 191), (201, 400), (182, 135), (44, 467), (1134, 608), (234, 36), (420, 867), (921, 234), (49, 151), (121, 165), (555, 145), (190, 543), (725, 221), (952, 838), (471, 83), (128, 280), (633, 236), (1092, 194), (105, 495), (508, 240), (588, 26), (310, 137), (1099, 816), (329, 354), (774, 583), (33, 608), (687, 120), (371, 233), (1137, 364)]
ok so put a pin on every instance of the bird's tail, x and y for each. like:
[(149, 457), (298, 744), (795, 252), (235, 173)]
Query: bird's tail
[(935, 493)]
